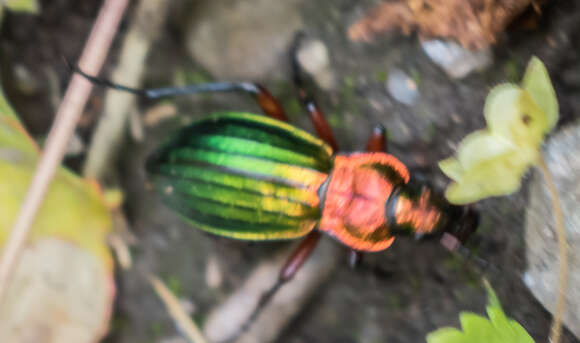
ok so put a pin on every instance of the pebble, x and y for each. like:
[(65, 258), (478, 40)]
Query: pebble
[(25, 81), (455, 60), (175, 339), (213, 273), (402, 87), (313, 58), (243, 40), (75, 146)]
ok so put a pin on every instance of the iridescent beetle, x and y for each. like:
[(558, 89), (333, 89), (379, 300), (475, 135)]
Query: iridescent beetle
[(254, 177)]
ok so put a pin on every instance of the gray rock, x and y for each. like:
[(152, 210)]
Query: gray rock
[(243, 39), (455, 60), (313, 58), (562, 154), (402, 87)]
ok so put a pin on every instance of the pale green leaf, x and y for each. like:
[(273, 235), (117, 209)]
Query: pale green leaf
[(537, 83), (491, 162), (452, 168), (510, 112), (480, 146), (500, 175), (500, 108)]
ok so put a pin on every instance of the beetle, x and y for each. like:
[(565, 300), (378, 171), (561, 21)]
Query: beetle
[(254, 177)]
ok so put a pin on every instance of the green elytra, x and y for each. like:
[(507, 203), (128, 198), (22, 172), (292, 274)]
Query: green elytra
[(243, 176)]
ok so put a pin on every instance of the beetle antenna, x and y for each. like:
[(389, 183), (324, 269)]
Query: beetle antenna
[(102, 82), (452, 244), (465, 225), (297, 73), (154, 93)]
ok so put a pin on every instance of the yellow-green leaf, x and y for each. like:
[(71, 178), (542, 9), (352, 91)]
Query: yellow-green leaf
[(491, 162), (537, 83), (511, 112), (452, 168), (73, 209), (30, 6), (62, 288), (500, 175), (480, 146), (478, 329)]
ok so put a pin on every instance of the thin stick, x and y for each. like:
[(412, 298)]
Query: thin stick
[(146, 24), (177, 313), (556, 330), (67, 116)]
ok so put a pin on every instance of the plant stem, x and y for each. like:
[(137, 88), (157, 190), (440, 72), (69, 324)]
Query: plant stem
[(66, 118), (556, 330)]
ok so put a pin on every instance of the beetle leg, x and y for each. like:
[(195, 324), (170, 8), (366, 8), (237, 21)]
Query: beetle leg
[(377, 141), (293, 263), (354, 258), (299, 256), (316, 115), (265, 100)]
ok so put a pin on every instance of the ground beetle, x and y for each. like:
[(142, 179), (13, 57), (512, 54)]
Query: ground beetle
[(254, 177)]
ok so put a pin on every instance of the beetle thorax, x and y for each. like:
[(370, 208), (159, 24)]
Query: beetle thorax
[(355, 197)]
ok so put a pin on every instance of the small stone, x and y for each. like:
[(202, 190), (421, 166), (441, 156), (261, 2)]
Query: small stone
[(75, 146), (571, 76), (313, 58), (213, 273), (25, 81), (175, 339), (402, 87), (455, 60), (187, 306), (541, 277), (243, 40), (159, 113)]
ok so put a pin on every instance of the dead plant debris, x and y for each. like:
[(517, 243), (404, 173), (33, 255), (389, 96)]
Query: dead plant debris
[(474, 23)]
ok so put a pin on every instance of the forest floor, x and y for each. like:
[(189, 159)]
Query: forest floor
[(399, 295)]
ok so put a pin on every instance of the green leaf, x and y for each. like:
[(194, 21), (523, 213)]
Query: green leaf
[(478, 329), (446, 335), (491, 162)]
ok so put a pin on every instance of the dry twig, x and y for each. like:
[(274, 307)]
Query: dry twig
[(177, 313)]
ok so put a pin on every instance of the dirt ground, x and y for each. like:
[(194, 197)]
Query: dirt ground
[(397, 296)]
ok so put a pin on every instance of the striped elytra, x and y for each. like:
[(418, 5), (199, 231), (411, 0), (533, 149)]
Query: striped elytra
[(243, 176)]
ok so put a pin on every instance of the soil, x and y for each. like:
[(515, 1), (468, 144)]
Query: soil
[(398, 295)]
